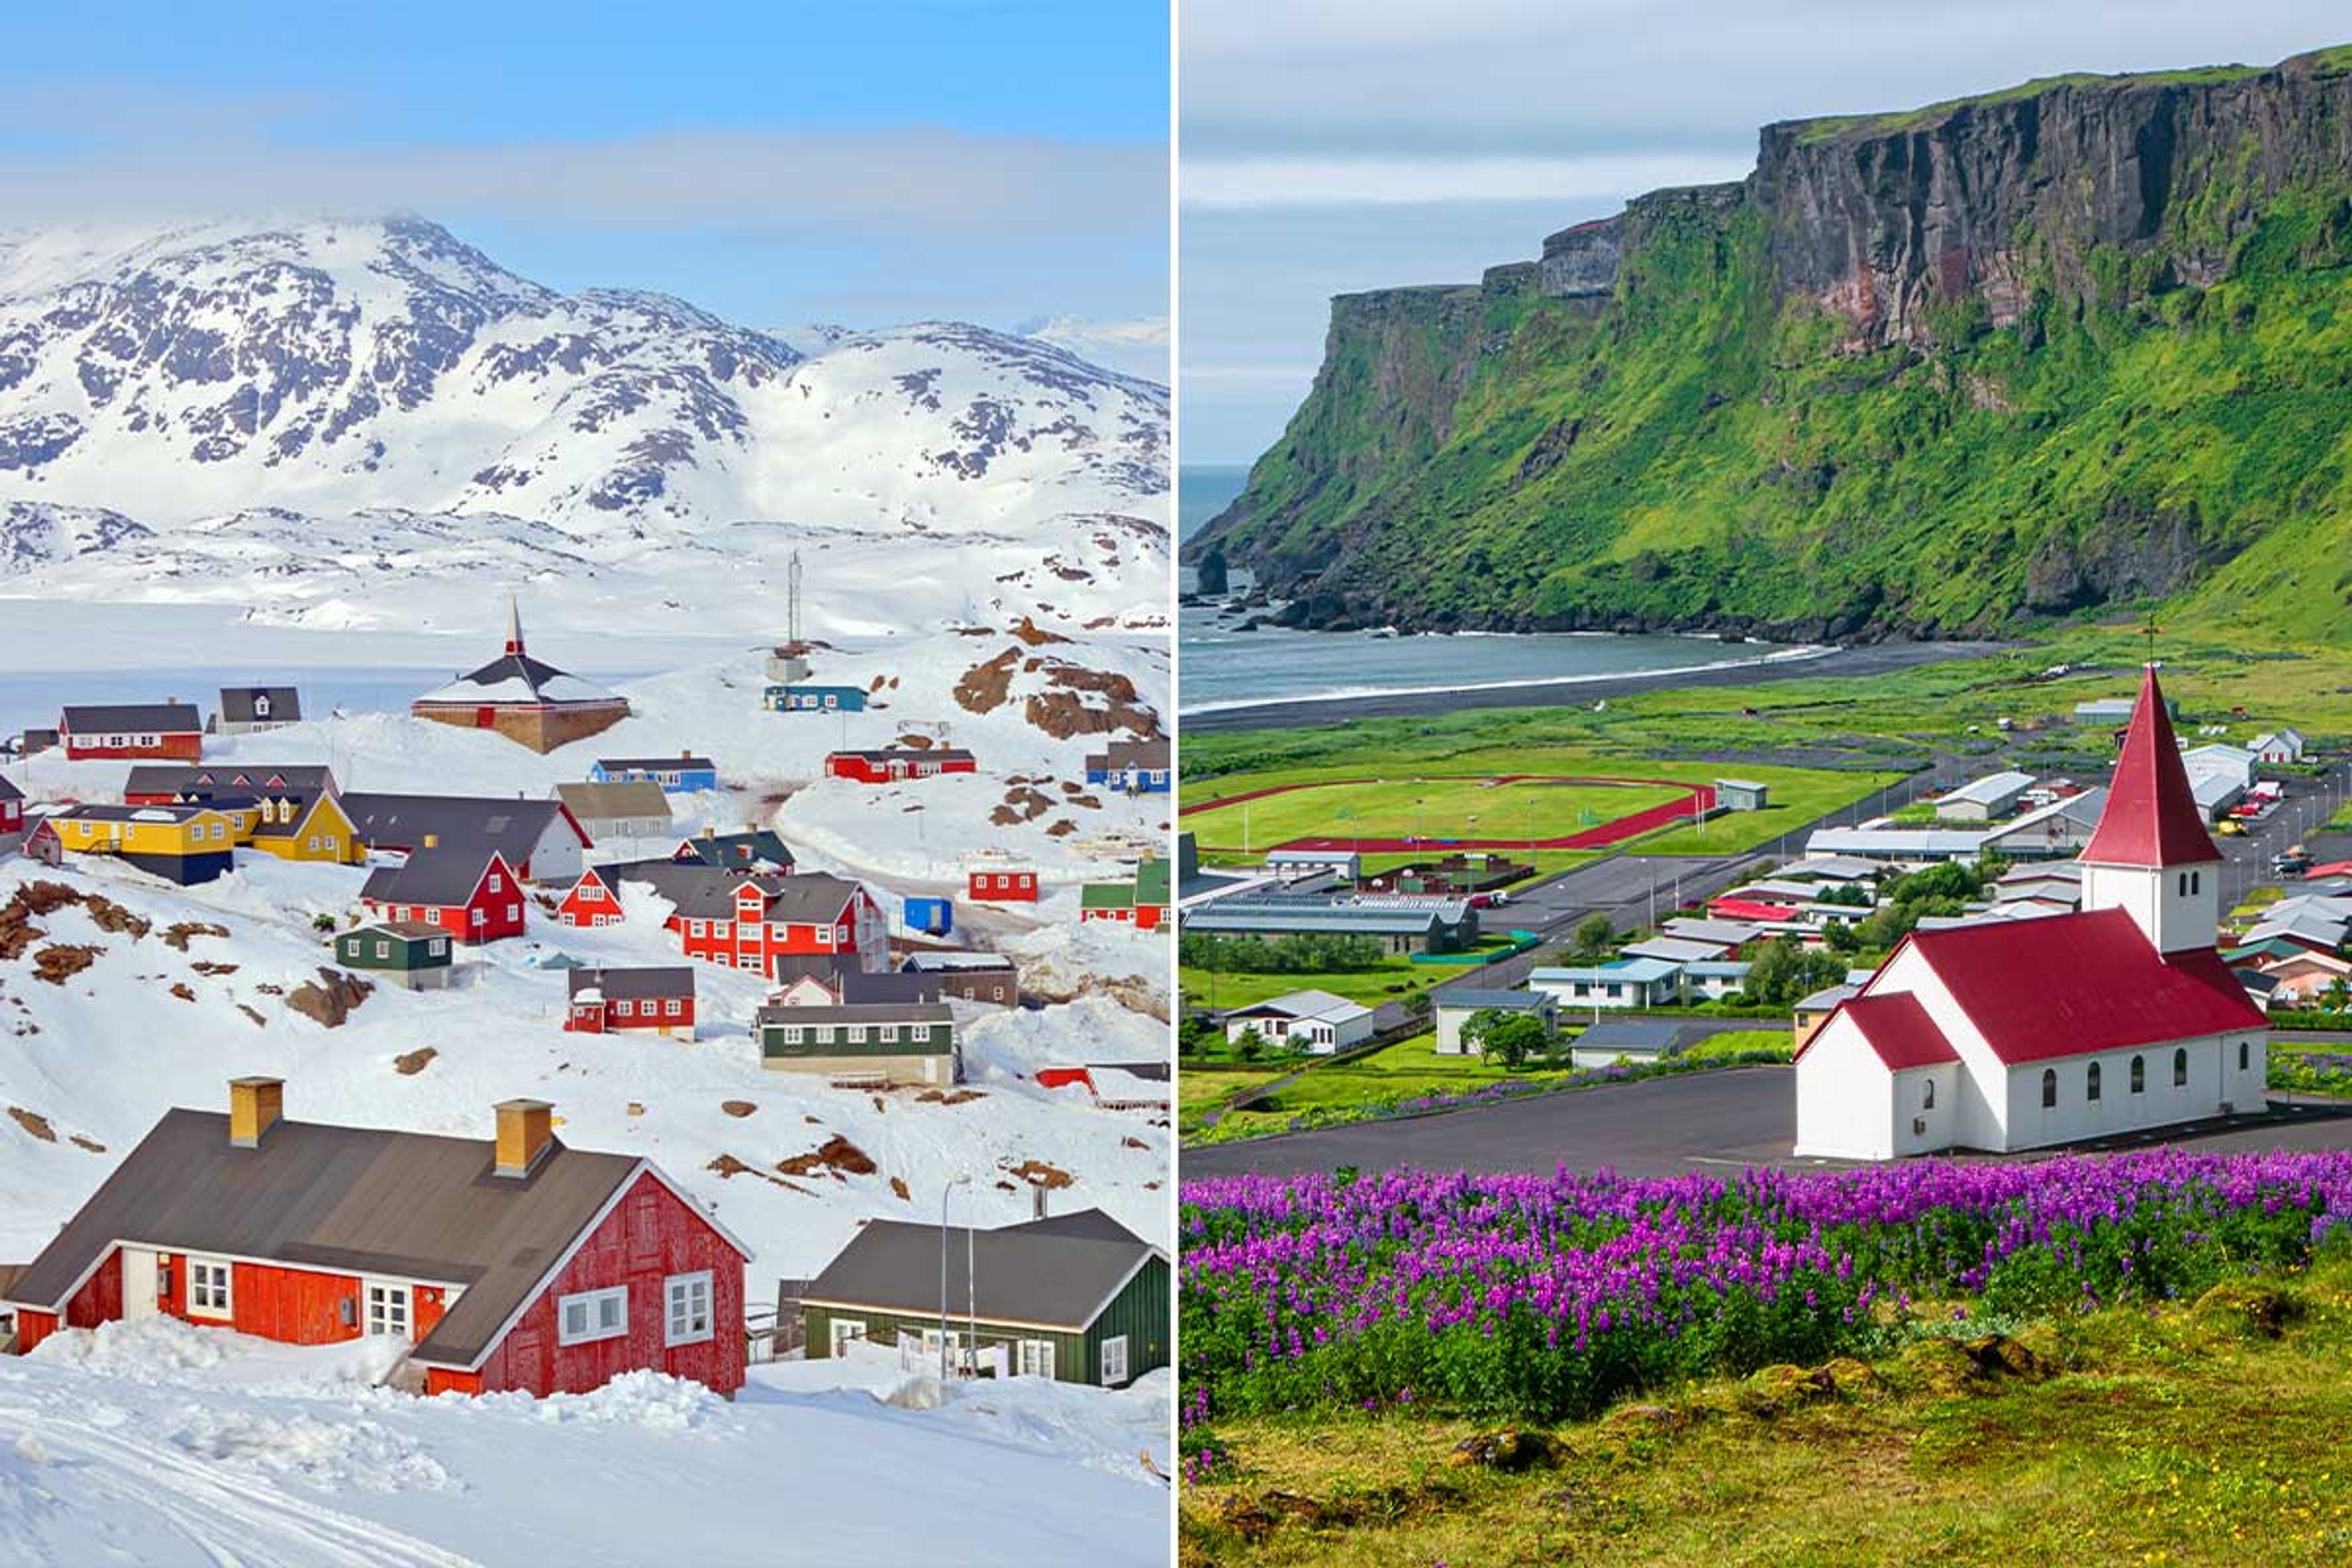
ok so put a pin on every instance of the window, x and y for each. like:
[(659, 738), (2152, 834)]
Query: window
[(675, 1008), (2048, 1088), (514, 911), (388, 1310), (2138, 1075), (2091, 1082), (685, 1312), (438, 946), (1114, 1360), (1036, 1358), (844, 1331), (384, 950), (314, 842), (497, 883), (698, 927), (481, 917), (795, 1035), (2180, 1067), (2244, 1057), (208, 1288), (591, 1315), (626, 1009), (1927, 1098)]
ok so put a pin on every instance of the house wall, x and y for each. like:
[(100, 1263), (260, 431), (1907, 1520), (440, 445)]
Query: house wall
[(2214, 1080), (100, 1301), (1846, 1097), (541, 730), (1140, 1312), (1980, 1111), (2174, 918), (185, 748), (649, 1236), (900, 1067)]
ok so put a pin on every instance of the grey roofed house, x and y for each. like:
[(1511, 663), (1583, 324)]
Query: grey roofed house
[(753, 849), (513, 828), (1728, 934), (1465, 999), (708, 892), (909, 753), (637, 801), (858, 986), (855, 1012), (1129, 754), (246, 707), (209, 778), (433, 878), (1675, 950), (686, 761), (132, 718), (1640, 1036), (945, 961), (1052, 1273), (352, 1200), (659, 981)]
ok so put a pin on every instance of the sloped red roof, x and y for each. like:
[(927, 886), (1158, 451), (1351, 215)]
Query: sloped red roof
[(2151, 818), (1754, 910), (2070, 984), (1896, 1028)]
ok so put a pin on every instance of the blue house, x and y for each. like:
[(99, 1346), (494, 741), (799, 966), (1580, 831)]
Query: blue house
[(933, 916), (685, 774), (814, 700), (1132, 767)]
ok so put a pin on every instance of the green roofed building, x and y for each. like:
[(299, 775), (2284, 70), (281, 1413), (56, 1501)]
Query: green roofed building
[(1141, 902)]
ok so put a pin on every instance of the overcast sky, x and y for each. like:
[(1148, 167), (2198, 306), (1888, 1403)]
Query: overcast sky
[(774, 160), (1333, 145)]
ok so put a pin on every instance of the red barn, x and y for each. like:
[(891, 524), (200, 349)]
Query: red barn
[(1001, 887), (172, 731), (519, 1264), (893, 763), (472, 894), (604, 1001)]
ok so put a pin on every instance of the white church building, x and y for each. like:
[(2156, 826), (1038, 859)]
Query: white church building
[(2023, 1034)]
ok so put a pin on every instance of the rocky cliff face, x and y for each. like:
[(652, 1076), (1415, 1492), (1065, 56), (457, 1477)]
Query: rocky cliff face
[(1827, 359)]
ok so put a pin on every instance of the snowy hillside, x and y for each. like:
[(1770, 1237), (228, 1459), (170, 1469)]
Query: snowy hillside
[(1140, 347)]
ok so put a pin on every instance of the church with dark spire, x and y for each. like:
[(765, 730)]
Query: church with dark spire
[(529, 702)]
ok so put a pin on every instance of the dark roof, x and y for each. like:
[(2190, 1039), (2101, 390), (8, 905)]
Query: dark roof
[(2151, 818), (753, 849), (438, 879), (1057, 1273), (858, 1012), (629, 797), (658, 764), (152, 778), (236, 703), (534, 673), (955, 961), (350, 1199), (907, 753), (513, 828), (1639, 1035), (708, 892), (111, 718), (406, 930), (634, 984), (1131, 754), (9, 791), (860, 985)]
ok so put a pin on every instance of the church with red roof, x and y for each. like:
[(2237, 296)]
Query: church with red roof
[(2028, 1034)]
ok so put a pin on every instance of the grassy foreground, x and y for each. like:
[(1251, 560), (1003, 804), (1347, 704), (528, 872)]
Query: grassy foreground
[(2204, 1433)]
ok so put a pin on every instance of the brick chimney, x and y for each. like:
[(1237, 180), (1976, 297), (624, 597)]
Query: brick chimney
[(526, 1127), (255, 1104)]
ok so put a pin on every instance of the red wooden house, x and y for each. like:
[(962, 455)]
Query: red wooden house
[(519, 1264), (892, 763), (172, 731), (997, 886), (606, 1001), (163, 785), (781, 926), (12, 810), (472, 894)]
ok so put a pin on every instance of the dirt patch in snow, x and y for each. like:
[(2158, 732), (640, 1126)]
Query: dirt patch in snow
[(38, 1126), (113, 918), (836, 1157), (737, 1106), (728, 1166), (1038, 1174), (958, 1096), (90, 1144), (985, 686), (331, 998), (183, 932), (184, 991), (60, 962), (898, 1186), (1035, 635), (208, 966), (1022, 804), (408, 1064), (258, 1021)]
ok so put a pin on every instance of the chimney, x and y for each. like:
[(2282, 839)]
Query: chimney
[(710, 833), (432, 841), (526, 1127), (255, 1105)]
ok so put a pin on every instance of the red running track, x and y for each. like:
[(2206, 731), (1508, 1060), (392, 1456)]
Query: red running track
[(1694, 798)]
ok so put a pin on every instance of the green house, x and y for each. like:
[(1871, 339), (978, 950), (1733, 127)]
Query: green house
[(882, 1044), (1077, 1297), (402, 952)]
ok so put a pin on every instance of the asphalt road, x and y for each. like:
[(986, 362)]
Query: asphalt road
[(2309, 806), (1658, 1127)]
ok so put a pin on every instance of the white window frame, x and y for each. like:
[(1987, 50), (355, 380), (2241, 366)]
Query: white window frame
[(845, 1332), (1035, 1358), (679, 1291), (391, 1305), (592, 1303), (1114, 1354), (212, 1288)]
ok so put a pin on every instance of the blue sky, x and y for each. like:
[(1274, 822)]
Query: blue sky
[(1336, 145), (865, 160)]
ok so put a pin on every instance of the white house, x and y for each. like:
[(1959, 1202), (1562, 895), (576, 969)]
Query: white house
[(1458, 1007), (1312, 1021), (1620, 983), (2280, 746), (1985, 799), (2019, 1034)]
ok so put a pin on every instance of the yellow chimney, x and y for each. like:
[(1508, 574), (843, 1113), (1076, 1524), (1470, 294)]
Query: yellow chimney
[(432, 841), (255, 1104), (526, 1127)]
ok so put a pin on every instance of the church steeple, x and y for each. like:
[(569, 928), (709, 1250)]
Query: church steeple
[(514, 626), (2151, 854)]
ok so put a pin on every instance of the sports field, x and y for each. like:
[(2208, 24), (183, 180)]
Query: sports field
[(1432, 812)]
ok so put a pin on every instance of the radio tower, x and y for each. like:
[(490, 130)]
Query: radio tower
[(793, 606)]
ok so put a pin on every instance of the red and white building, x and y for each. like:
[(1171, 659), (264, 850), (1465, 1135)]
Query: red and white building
[(780, 926), (516, 1264), (997, 885), (606, 1001), (2028, 1034), (12, 810), (893, 763), (111, 733), (472, 894)]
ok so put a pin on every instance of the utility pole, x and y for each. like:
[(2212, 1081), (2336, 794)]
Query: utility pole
[(964, 1181)]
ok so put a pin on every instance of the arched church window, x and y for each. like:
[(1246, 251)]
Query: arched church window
[(2048, 1088)]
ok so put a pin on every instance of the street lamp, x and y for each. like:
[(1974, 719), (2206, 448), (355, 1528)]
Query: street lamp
[(964, 1181)]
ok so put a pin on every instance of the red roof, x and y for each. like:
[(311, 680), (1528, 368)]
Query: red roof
[(2071, 985), (1896, 1028), (1752, 910), (2151, 818), (2332, 868)]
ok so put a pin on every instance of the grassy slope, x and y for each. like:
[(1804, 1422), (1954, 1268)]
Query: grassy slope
[(1435, 807), (1729, 465), (2136, 1451)]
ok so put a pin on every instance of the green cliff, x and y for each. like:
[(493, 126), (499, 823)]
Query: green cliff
[(2070, 347)]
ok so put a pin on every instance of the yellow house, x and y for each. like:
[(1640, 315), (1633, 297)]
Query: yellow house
[(185, 843), (306, 827)]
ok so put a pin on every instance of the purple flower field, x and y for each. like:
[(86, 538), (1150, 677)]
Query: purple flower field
[(1549, 1296)]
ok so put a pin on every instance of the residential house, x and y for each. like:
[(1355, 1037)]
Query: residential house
[(12, 811), (1317, 1022), (306, 826), (782, 697), (1132, 767), (164, 783), (249, 709), (1729, 936), (634, 809), (753, 849), (1987, 799), (1711, 980), (1674, 950), (658, 999), (1618, 983), (112, 731), (998, 886), (886, 1038), (685, 774), (541, 840), (2303, 978), (472, 894), (529, 702), (1141, 902), (407, 953), (2280, 748), (988, 977), (2008, 1034), (1116, 1086), (1077, 1297), (182, 844), (891, 765), (1457, 1005), (782, 926), (514, 1265)]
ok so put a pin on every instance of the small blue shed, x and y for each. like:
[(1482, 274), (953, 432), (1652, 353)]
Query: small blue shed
[(933, 916), (814, 699)]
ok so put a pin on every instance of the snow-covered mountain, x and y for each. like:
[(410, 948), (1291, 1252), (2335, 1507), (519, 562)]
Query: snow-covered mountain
[(331, 367), (1139, 347)]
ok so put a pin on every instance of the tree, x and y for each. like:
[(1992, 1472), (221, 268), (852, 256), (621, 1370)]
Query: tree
[(1418, 1007), (1838, 937), (1509, 1038), (1249, 1045), (1595, 935), (1782, 971)]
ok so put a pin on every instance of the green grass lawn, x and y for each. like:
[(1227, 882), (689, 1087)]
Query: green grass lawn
[(2178, 1434), (1427, 806), (1395, 978), (1733, 1042), (1199, 1092)]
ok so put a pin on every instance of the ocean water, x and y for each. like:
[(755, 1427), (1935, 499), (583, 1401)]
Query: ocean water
[(1223, 667)]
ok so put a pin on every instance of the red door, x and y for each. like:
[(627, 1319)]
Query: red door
[(486, 718)]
